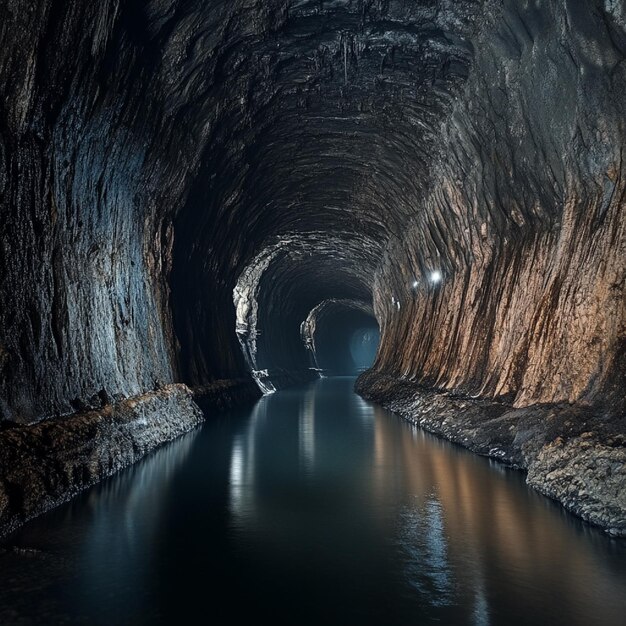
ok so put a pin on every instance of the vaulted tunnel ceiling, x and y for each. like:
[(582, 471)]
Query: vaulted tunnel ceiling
[(333, 117), (201, 191)]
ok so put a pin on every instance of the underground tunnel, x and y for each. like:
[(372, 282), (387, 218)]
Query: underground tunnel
[(356, 269), (342, 337)]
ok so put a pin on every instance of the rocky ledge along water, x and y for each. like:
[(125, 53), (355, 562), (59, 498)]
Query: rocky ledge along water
[(43, 465), (574, 455)]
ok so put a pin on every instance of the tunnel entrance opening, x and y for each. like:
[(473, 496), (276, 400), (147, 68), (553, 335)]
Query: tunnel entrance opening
[(346, 345), (342, 337), (315, 277), (363, 347)]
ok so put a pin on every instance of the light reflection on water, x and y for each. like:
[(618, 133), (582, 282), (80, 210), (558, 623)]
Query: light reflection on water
[(314, 507), (306, 430)]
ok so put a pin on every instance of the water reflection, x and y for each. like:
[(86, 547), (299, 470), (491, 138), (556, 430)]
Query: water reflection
[(468, 522), (306, 427), (424, 549), (313, 508), (81, 553), (466, 531)]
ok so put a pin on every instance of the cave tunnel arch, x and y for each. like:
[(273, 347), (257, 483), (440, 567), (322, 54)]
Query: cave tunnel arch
[(182, 182), (342, 337), (299, 178), (338, 161), (279, 289)]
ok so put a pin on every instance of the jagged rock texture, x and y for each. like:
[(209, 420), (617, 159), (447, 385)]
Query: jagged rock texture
[(524, 220), (182, 182)]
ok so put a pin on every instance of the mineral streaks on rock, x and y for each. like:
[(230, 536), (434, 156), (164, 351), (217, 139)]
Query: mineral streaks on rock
[(523, 224)]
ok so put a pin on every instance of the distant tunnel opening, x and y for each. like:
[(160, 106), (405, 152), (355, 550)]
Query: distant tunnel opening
[(364, 345), (342, 337), (295, 288)]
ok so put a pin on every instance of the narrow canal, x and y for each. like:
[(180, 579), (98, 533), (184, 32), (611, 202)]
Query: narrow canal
[(312, 507)]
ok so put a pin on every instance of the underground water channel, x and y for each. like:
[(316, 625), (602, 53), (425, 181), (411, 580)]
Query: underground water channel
[(312, 507)]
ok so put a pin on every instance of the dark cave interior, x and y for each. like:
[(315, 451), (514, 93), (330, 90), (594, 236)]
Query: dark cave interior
[(222, 193)]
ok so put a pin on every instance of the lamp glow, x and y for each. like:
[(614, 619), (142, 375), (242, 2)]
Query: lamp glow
[(435, 277)]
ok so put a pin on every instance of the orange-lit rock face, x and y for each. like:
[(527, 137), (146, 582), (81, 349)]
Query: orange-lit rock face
[(510, 280), (536, 320)]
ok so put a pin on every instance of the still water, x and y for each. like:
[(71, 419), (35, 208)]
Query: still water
[(313, 507)]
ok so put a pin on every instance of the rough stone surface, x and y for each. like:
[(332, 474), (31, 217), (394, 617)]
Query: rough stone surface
[(511, 280), (180, 179), (572, 454), (45, 464), (587, 474)]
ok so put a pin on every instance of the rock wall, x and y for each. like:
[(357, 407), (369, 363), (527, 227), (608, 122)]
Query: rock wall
[(84, 250), (151, 151), (503, 305), (511, 281), (106, 116), (183, 182)]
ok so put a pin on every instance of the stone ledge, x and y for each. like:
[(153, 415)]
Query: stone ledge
[(573, 455), (46, 464)]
